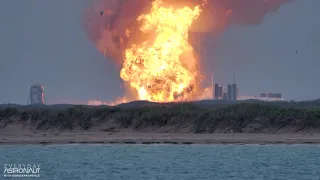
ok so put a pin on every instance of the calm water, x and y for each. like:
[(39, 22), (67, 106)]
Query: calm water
[(174, 162)]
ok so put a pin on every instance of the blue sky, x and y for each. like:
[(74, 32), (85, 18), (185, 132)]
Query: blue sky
[(43, 41)]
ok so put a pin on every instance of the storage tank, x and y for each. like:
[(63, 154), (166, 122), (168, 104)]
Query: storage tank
[(220, 92), (36, 95), (229, 92), (216, 91), (234, 92)]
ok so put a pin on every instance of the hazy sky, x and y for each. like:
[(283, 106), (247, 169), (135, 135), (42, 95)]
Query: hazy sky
[(43, 41)]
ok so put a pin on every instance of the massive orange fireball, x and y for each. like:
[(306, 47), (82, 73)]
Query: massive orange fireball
[(150, 41), (164, 67)]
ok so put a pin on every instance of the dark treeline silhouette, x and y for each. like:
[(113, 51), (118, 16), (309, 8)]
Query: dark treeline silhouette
[(195, 117)]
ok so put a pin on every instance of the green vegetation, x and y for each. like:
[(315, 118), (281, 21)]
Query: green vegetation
[(186, 117)]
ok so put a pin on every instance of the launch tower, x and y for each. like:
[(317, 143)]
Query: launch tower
[(36, 95)]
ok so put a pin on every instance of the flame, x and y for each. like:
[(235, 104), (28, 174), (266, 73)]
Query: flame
[(116, 102), (163, 68), (128, 32), (150, 41)]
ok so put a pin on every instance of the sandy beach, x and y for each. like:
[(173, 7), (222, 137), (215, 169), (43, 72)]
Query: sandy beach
[(151, 138)]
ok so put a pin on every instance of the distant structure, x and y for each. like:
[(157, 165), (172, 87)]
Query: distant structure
[(229, 92), (278, 95), (264, 97), (220, 92), (270, 96), (212, 87), (36, 95), (234, 92), (216, 91), (225, 96), (234, 85), (237, 93)]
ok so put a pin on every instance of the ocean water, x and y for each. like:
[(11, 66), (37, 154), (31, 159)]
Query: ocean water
[(176, 162)]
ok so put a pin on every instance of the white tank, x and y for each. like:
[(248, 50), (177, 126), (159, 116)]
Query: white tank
[(36, 95)]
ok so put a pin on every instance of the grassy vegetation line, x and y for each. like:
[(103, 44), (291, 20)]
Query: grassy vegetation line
[(242, 117)]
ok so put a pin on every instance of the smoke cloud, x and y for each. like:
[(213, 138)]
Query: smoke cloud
[(112, 24), (108, 31)]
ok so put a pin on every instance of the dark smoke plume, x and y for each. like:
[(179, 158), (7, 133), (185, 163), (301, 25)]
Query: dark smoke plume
[(108, 31)]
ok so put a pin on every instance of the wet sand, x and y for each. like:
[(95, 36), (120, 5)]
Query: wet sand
[(43, 137)]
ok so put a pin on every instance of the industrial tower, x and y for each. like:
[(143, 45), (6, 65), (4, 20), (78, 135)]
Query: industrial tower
[(234, 85), (36, 95)]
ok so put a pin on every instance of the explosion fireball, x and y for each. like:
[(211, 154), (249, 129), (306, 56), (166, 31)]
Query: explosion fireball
[(150, 40), (163, 68)]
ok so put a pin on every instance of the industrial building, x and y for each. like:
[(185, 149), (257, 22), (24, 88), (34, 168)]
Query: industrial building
[(229, 92), (259, 98), (265, 97), (220, 92), (216, 91), (278, 95), (271, 95), (36, 95), (234, 92), (225, 96)]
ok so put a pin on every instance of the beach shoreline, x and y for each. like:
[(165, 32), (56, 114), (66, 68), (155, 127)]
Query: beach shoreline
[(44, 137)]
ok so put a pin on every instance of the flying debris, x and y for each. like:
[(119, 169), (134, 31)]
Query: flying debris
[(106, 11), (296, 52)]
